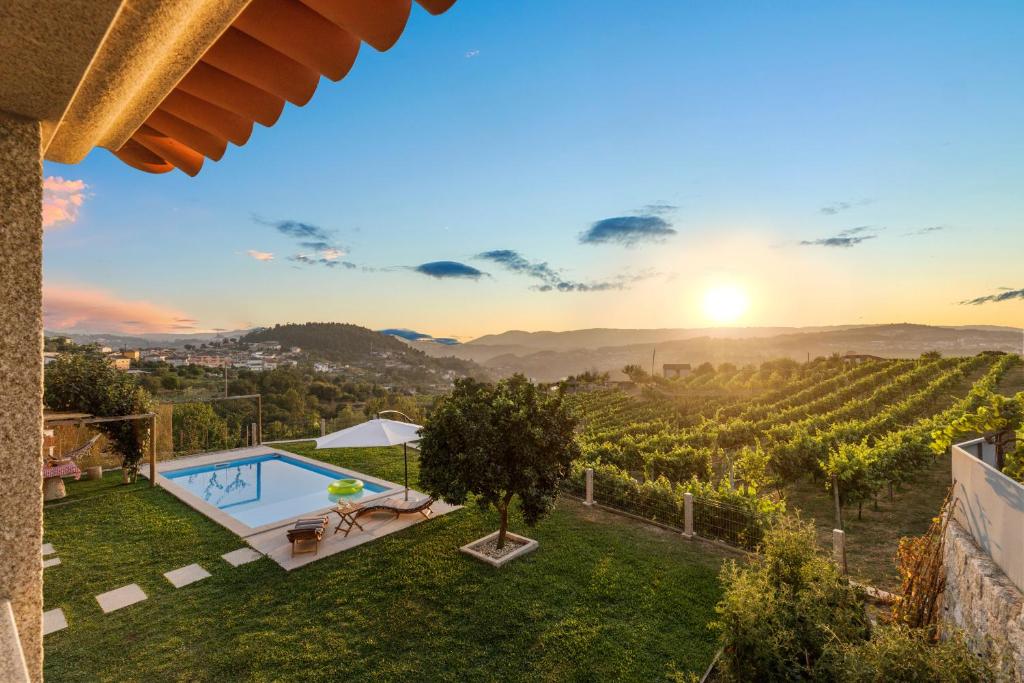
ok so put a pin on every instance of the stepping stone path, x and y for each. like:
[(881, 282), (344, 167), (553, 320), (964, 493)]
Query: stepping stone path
[(120, 597), (186, 575), (241, 556), (54, 620)]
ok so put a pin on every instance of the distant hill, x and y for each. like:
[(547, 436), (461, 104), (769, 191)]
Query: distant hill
[(552, 355), (347, 343), (145, 341), (341, 342)]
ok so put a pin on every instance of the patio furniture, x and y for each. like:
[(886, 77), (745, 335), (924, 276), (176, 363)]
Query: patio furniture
[(351, 512), (347, 513), (307, 532), (55, 469)]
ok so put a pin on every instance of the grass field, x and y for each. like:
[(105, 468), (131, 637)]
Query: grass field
[(603, 598)]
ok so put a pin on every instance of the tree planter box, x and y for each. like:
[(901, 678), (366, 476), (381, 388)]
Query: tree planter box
[(527, 545)]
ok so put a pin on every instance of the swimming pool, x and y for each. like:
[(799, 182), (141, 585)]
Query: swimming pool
[(263, 489)]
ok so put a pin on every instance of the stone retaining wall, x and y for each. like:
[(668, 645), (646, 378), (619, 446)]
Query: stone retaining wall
[(984, 603)]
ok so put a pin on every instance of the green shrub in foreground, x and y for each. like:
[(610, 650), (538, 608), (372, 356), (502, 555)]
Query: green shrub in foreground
[(899, 653)]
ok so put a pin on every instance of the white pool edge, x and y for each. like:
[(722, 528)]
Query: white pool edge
[(229, 522)]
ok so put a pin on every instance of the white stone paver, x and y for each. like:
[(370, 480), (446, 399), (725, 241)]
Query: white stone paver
[(54, 620), (186, 575), (120, 597), (241, 556), (48, 549), (52, 562)]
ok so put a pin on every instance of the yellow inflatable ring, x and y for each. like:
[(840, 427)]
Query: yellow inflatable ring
[(345, 487)]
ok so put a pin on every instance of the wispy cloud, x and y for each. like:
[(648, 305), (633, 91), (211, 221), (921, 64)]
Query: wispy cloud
[(449, 269), (658, 209), (847, 238), (86, 309), (838, 207), (314, 238), (551, 279), (61, 201), (628, 230), (470, 54), (1004, 295), (261, 255), (925, 231)]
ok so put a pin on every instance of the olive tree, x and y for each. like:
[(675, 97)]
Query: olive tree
[(497, 442)]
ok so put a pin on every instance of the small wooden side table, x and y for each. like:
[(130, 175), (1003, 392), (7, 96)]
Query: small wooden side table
[(348, 512)]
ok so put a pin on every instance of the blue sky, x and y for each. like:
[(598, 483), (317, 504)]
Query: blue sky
[(832, 162)]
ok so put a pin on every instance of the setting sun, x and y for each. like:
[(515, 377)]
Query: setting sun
[(725, 303)]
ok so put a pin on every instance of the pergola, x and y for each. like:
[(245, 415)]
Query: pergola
[(164, 85)]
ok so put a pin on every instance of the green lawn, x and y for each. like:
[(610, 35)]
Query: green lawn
[(603, 598)]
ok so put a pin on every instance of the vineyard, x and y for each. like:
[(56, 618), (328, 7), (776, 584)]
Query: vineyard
[(735, 438)]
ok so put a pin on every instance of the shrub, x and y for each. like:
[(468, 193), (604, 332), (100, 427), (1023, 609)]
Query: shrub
[(899, 653), (779, 614)]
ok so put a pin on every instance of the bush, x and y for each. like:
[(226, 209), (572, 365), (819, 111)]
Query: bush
[(779, 614), (899, 653)]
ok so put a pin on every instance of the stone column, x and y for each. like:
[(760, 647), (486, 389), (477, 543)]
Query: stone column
[(21, 393)]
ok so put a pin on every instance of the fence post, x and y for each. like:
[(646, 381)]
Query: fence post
[(688, 514), (253, 432), (323, 426), (839, 549), (835, 495), (589, 500)]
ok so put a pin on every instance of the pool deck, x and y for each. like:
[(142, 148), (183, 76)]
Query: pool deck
[(272, 539)]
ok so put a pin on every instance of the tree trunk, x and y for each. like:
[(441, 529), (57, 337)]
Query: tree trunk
[(503, 527), (860, 507)]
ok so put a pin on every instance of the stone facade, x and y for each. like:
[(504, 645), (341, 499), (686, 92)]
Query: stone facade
[(984, 603), (21, 397)]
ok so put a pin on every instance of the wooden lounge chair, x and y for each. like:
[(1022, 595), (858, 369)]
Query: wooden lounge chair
[(307, 532), (350, 513)]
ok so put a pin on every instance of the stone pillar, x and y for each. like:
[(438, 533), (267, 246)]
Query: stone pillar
[(21, 396), (688, 514), (839, 549), (589, 500), (323, 426)]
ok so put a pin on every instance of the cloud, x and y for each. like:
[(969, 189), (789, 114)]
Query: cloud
[(847, 238), (925, 231), (412, 335), (86, 309), (659, 208), (551, 279), (61, 200), (470, 54), (628, 230), (312, 237), (1004, 295), (449, 269), (838, 207), (261, 255)]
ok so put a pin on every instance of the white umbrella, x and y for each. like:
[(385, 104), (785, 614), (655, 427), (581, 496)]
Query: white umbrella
[(374, 434)]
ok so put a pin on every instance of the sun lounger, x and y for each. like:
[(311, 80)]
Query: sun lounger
[(351, 512), (306, 533)]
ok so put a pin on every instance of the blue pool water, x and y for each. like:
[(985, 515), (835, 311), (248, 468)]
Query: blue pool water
[(266, 488)]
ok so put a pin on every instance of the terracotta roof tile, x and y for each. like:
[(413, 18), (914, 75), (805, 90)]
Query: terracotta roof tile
[(275, 51)]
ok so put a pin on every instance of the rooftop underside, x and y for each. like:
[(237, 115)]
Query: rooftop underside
[(169, 85)]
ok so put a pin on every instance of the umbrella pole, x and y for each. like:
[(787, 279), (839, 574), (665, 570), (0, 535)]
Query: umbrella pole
[(405, 452)]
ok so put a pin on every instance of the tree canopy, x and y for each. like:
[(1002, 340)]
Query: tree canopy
[(496, 442), (86, 382)]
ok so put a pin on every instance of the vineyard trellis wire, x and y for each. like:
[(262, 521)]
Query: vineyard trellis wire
[(716, 520)]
